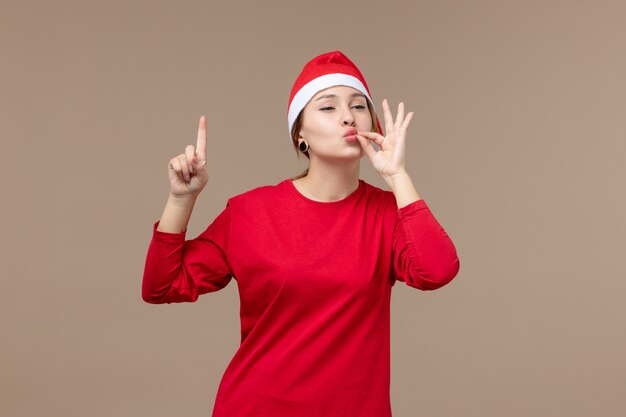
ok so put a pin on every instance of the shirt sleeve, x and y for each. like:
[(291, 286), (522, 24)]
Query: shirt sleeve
[(179, 270), (424, 256)]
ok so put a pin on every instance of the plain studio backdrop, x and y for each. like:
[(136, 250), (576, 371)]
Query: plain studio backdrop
[(517, 145)]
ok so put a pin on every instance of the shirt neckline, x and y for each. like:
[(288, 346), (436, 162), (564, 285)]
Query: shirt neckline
[(355, 194)]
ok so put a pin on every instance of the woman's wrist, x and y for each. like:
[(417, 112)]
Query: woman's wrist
[(182, 201), (176, 214)]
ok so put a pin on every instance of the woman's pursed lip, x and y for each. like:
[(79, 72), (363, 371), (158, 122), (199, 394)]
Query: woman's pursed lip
[(350, 132)]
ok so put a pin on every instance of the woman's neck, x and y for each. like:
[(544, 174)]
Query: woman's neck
[(331, 182)]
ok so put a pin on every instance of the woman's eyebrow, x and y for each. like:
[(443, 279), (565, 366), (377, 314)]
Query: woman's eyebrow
[(335, 95)]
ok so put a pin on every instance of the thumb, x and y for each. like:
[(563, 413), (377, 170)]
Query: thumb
[(197, 163), (367, 146), (199, 167)]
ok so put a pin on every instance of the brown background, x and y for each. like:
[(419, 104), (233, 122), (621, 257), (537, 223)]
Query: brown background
[(517, 145)]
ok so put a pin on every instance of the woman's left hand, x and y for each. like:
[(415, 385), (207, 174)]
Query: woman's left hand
[(389, 160)]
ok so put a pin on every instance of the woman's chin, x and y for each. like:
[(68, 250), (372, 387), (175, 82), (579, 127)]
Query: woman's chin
[(343, 156)]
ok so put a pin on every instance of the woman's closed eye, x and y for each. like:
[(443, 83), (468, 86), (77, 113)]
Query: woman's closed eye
[(358, 106)]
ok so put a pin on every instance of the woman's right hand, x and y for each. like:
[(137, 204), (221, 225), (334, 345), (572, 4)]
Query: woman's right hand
[(187, 171)]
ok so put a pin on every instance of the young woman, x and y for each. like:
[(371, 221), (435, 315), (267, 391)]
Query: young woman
[(314, 257)]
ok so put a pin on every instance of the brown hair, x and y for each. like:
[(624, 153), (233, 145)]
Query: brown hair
[(297, 125)]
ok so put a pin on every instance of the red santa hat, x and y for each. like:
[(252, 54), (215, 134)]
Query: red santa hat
[(324, 71)]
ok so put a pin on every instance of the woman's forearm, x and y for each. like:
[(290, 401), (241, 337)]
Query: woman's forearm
[(176, 214)]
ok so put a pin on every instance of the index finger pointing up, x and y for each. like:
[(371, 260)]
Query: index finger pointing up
[(201, 144)]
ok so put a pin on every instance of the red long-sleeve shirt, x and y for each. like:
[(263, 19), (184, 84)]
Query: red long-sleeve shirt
[(314, 281)]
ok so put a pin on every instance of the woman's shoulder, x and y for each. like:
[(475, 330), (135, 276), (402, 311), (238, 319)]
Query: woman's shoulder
[(260, 194), (378, 194), (375, 190)]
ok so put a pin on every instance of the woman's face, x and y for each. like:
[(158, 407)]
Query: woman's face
[(328, 116)]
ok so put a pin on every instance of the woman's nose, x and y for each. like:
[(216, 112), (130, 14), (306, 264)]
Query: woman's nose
[(348, 118)]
